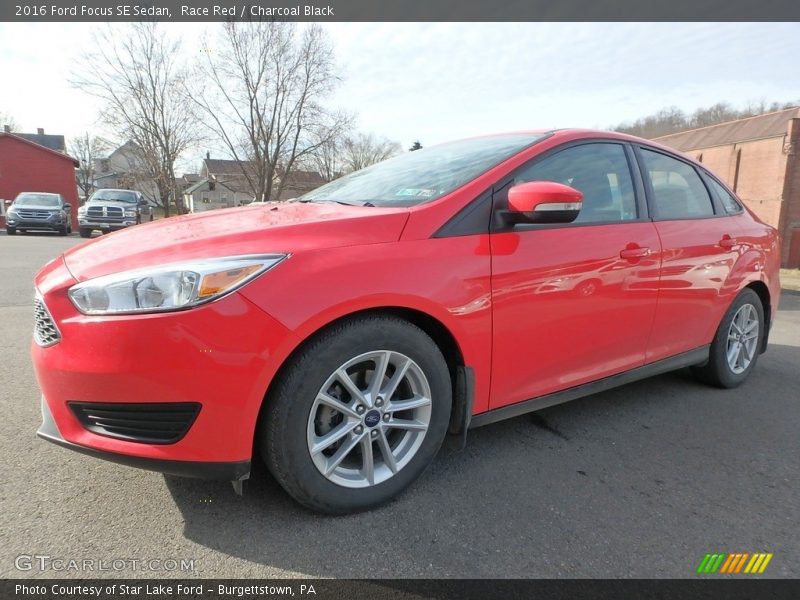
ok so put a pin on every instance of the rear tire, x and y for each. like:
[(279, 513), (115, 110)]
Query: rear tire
[(11, 231), (737, 343), (85, 233), (382, 447)]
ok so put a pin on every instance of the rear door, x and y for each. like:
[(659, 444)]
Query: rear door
[(573, 303), (699, 249)]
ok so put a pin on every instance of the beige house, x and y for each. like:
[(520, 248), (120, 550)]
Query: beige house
[(759, 158), (223, 184), (124, 169)]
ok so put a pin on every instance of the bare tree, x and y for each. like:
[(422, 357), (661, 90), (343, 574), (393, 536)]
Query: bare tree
[(137, 73), (672, 119), (87, 149), (365, 149), (265, 85), (326, 159), (6, 120)]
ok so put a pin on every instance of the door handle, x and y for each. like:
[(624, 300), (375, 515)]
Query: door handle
[(634, 252), (727, 241)]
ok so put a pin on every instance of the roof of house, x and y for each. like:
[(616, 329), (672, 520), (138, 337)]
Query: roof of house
[(219, 166), (24, 140), (53, 142), (303, 180), (741, 130), (196, 186)]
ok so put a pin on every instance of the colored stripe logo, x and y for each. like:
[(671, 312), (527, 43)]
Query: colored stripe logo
[(738, 562)]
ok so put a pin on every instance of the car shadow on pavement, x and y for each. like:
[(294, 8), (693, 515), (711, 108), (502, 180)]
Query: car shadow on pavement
[(541, 494)]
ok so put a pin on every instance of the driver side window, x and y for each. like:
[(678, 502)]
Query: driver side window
[(600, 171)]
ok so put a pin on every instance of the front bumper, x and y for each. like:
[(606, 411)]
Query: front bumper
[(115, 226), (221, 355), (41, 224), (228, 471)]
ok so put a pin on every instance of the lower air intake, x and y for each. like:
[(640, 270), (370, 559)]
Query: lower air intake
[(148, 423)]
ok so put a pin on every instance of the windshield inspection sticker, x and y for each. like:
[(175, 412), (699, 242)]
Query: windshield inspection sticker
[(421, 193)]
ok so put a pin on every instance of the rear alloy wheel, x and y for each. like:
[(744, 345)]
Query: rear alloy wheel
[(737, 343), (358, 415)]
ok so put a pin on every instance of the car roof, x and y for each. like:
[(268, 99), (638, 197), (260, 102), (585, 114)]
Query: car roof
[(577, 134)]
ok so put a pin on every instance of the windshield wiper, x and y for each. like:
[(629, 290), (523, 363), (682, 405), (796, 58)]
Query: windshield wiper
[(342, 202)]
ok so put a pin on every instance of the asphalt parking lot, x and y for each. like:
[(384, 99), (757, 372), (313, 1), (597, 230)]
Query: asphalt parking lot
[(641, 481)]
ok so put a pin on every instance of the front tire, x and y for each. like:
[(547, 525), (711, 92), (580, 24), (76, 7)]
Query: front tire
[(340, 439), (11, 231), (737, 343), (85, 233)]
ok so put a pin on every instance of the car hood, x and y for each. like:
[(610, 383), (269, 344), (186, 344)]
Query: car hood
[(110, 203), (33, 207), (266, 228)]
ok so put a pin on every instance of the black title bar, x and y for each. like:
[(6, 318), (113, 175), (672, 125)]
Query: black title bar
[(462, 589), (399, 10)]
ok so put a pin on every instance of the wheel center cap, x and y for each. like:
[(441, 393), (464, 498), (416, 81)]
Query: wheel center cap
[(372, 418)]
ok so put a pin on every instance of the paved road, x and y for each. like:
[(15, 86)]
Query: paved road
[(641, 481)]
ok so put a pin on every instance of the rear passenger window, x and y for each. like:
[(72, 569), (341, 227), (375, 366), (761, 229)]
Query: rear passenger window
[(730, 203), (678, 191)]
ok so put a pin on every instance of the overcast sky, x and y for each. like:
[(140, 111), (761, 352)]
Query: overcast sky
[(441, 81)]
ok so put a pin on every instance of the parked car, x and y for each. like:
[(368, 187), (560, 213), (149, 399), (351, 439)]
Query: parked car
[(38, 211), (343, 335), (111, 210)]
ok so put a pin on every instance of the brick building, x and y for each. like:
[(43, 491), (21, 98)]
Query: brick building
[(28, 166), (759, 158)]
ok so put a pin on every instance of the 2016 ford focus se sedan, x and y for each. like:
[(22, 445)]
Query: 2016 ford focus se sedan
[(343, 335)]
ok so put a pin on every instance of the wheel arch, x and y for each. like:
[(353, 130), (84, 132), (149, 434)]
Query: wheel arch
[(442, 336), (761, 289)]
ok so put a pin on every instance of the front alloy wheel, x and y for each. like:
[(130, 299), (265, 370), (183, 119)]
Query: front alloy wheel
[(357, 415), (369, 419)]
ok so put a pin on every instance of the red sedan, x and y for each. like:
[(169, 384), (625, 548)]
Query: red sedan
[(343, 335)]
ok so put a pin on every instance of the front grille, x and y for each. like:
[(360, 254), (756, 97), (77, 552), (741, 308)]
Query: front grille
[(45, 332), (148, 423), (33, 214), (105, 213)]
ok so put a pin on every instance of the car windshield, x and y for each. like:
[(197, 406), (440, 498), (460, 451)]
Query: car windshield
[(423, 175), (114, 196), (37, 200)]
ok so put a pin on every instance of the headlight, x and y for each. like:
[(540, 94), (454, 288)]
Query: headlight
[(130, 212), (168, 287), (82, 210)]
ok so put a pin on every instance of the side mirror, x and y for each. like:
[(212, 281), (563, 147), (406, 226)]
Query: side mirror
[(142, 202), (67, 206), (544, 202)]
